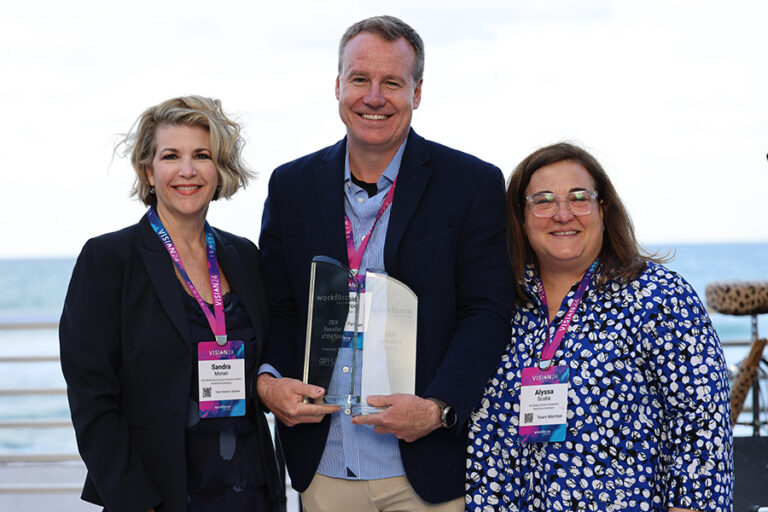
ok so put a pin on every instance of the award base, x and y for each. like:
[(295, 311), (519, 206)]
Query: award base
[(350, 404), (341, 400), (365, 409)]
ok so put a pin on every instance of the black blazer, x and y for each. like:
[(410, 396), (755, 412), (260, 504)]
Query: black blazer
[(445, 240), (124, 354)]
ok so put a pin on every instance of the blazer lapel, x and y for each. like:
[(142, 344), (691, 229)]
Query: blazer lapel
[(163, 277), (329, 198), (412, 179)]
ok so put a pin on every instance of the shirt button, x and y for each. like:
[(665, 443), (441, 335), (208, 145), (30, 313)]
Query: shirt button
[(347, 411), (345, 369), (360, 200)]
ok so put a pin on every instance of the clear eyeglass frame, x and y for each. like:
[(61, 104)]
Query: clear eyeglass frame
[(578, 202)]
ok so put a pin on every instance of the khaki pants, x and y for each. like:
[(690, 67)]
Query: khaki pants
[(395, 494)]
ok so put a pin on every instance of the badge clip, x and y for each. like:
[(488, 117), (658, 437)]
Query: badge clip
[(221, 339)]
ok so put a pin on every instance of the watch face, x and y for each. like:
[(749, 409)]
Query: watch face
[(448, 417)]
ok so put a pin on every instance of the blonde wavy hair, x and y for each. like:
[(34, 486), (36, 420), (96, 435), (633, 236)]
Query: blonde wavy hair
[(224, 139)]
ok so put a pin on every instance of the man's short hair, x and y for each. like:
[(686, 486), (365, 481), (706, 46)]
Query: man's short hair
[(391, 29)]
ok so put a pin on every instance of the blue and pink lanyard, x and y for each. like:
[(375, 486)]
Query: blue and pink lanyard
[(355, 256), (215, 319), (552, 344)]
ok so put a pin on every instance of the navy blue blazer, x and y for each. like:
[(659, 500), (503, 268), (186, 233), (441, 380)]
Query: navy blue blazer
[(125, 354), (445, 240)]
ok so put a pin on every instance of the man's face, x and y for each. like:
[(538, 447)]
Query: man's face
[(376, 92)]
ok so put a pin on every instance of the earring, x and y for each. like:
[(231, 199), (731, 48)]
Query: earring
[(152, 190)]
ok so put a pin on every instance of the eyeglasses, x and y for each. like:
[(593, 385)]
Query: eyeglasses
[(544, 204)]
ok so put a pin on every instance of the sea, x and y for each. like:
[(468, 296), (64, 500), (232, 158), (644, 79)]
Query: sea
[(33, 290)]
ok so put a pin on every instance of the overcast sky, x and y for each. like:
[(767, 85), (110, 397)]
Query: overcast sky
[(669, 95)]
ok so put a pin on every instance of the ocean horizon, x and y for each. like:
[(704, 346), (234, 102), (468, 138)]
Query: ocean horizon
[(34, 291)]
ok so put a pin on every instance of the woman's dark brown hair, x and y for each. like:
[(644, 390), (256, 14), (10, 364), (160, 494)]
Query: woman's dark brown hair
[(621, 257)]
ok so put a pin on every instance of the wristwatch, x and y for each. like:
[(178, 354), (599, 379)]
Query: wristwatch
[(448, 415)]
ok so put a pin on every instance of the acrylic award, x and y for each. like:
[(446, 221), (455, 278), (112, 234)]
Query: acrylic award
[(361, 335)]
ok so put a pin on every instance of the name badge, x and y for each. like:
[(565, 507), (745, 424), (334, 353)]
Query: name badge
[(221, 379), (543, 405)]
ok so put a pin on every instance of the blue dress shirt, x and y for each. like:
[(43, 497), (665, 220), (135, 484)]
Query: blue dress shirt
[(356, 452)]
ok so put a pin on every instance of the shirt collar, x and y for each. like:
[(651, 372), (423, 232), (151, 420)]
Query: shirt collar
[(389, 174)]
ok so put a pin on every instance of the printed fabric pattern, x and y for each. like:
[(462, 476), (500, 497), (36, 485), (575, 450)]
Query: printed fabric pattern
[(648, 407)]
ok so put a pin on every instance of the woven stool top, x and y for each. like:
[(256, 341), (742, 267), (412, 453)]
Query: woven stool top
[(738, 297)]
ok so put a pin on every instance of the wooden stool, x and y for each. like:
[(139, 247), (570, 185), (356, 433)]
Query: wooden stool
[(743, 298)]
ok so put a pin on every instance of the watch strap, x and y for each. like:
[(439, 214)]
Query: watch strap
[(447, 414)]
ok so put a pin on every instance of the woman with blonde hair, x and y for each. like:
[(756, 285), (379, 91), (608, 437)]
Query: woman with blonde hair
[(162, 333)]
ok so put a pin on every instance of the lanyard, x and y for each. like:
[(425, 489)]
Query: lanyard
[(217, 323), (551, 346), (355, 256)]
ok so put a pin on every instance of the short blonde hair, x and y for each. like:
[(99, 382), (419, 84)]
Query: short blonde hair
[(224, 139)]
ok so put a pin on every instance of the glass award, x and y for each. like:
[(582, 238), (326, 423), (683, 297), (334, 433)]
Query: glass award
[(330, 305), (388, 351), (361, 335)]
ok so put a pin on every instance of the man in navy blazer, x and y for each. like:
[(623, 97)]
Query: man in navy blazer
[(443, 236)]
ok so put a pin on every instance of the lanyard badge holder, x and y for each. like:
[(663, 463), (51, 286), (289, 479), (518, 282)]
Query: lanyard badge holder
[(371, 357), (544, 388), (356, 326), (221, 363)]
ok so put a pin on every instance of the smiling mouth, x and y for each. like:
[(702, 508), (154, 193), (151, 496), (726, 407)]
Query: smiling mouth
[(570, 232), (374, 117), (187, 188)]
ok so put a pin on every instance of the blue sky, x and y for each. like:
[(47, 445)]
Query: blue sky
[(669, 95)]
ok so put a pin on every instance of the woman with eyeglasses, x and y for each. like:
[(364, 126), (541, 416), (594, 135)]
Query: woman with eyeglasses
[(613, 392)]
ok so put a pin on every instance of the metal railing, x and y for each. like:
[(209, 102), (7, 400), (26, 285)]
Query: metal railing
[(58, 487), (20, 461)]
